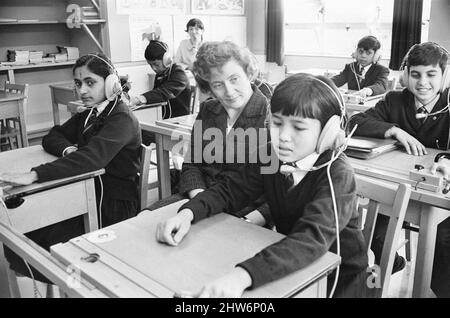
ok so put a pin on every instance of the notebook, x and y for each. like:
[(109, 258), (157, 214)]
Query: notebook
[(367, 148)]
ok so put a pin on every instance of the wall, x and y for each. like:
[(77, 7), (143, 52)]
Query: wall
[(440, 23)]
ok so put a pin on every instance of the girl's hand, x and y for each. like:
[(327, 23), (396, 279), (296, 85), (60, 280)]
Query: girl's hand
[(411, 144), (231, 285), (173, 230), (20, 178)]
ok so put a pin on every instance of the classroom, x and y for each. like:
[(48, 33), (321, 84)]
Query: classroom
[(224, 149)]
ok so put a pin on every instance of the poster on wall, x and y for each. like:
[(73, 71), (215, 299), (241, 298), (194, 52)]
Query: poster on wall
[(127, 7), (141, 26), (225, 7)]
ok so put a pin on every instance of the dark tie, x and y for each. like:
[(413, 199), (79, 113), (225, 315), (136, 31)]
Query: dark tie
[(286, 170), (91, 120), (422, 110)]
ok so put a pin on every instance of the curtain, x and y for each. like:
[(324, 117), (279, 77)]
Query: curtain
[(275, 31), (406, 29)]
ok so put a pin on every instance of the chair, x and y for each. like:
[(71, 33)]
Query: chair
[(194, 100), (9, 126), (144, 172), (393, 201)]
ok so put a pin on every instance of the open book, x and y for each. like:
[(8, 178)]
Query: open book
[(366, 148)]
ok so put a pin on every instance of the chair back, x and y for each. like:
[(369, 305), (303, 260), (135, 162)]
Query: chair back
[(17, 88), (144, 171), (392, 201)]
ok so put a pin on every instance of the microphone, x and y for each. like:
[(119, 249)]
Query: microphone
[(421, 116)]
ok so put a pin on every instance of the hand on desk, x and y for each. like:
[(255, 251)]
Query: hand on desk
[(20, 178), (173, 230), (411, 144), (364, 92), (231, 285)]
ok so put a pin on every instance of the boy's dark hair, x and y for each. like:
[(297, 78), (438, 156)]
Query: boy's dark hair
[(194, 23), (427, 53), (306, 96), (155, 50), (369, 43)]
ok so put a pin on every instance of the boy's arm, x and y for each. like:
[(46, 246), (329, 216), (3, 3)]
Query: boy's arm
[(175, 84), (374, 122), (381, 82), (341, 78)]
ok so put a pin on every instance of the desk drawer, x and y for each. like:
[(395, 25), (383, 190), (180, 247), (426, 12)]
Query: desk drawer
[(51, 206)]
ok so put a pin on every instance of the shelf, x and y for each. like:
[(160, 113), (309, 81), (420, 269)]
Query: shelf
[(43, 65), (96, 21)]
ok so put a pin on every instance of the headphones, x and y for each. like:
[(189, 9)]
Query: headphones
[(112, 81), (167, 57), (404, 77)]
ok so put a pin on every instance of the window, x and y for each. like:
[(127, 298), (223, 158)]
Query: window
[(333, 28)]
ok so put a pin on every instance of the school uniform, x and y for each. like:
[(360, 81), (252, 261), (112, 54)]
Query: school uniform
[(172, 86), (304, 213), (399, 109), (204, 171), (376, 78), (111, 141)]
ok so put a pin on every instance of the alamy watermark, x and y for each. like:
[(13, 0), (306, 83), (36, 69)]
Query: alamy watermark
[(238, 146)]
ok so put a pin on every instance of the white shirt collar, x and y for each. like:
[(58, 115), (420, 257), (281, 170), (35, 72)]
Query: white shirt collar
[(365, 68), (429, 107), (304, 165)]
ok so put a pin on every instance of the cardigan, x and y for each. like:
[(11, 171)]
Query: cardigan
[(203, 172), (398, 108), (113, 143), (172, 86), (304, 214), (376, 78), (186, 52)]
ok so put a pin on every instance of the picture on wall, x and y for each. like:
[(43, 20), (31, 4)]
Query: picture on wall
[(225, 7), (127, 7)]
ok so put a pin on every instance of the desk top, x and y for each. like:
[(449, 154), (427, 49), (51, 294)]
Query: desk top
[(211, 249), (315, 71), (394, 166), (23, 159), (177, 126), (7, 96)]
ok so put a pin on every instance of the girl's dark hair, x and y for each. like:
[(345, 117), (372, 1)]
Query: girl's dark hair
[(95, 62), (427, 53), (307, 96)]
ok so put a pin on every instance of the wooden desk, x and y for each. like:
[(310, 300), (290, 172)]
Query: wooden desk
[(11, 106), (353, 108), (61, 93), (315, 71), (426, 209), (48, 202), (134, 264), (168, 133)]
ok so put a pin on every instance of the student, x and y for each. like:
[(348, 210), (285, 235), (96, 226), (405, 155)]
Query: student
[(105, 135), (301, 204), (171, 83), (224, 71), (189, 47), (427, 81), (365, 75)]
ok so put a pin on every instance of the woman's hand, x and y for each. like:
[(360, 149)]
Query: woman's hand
[(411, 144), (231, 285), (173, 230), (20, 178)]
